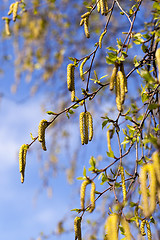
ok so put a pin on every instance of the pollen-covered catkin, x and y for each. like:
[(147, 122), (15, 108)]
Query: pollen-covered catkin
[(125, 79), (103, 6), (70, 76), (81, 126), (90, 125), (92, 197), (111, 227), (149, 234), (81, 68), (157, 55), (142, 227), (86, 30), (101, 37), (22, 160), (113, 76), (41, 133), (73, 95), (123, 183), (98, 6), (122, 86), (7, 21), (77, 228), (85, 15), (15, 10), (126, 228), (148, 203), (83, 192), (118, 94), (156, 164)]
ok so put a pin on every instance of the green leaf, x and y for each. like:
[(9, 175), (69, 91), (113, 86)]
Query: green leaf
[(51, 113), (84, 171), (117, 185), (81, 178), (110, 154), (132, 204), (70, 111), (153, 106), (92, 161), (128, 118), (76, 209), (75, 106)]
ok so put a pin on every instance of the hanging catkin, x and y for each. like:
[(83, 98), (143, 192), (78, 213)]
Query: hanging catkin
[(90, 125), (41, 133), (81, 68), (111, 227), (123, 183), (118, 94), (157, 55), (113, 76), (70, 76), (77, 228), (101, 37), (22, 160), (149, 203), (125, 79), (126, 228), (83, 193), (92, 197)]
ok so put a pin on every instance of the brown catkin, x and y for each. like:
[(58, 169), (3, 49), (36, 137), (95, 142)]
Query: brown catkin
[(122, 86), (126, 228), (123, 183), (41, 133), (83, 193), (77, 228), (81, 68), (113, 77), (86, 23), (118, 94), (149, 234), (125, 79), (15, 10), (157, 55), (90, 123), (148, 206), (92, 197), (109, 141), (111, 227), (70, 76), (86, 128), (142, 227)]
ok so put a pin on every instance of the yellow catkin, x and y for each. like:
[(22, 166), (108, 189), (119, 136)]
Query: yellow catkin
[(148, 206), (149, 234), (126, 228), (41, 133), (136, 216), (85, 15), (81, 22), (123, 183), (113, 77), (81, 126), (101, 37), (77, 228), (7, 21), (103, 7), (118, 94), (11, 9), (109, 141), (83, 193), (98, 6), (70, 76), (142, 227), (15, 10), (86, 23), (106, 6), (86, 128), (111, 227), (156, 164), (90, 125), (158, 61), (92, 197), (73, 95), (81, 69), (22, 160), (122, 86), (125, 79)]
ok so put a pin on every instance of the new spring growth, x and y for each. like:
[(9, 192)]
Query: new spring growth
[(101, 37), (111, 227), (85, 21), (81, 68), (113, 77), (7, 21), (77, 228), (41, 133), (123, 183), (86, 127), (148, 203), (157, 55), (22, 160)]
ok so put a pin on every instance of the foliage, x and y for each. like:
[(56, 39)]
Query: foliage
[(128, 184)]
